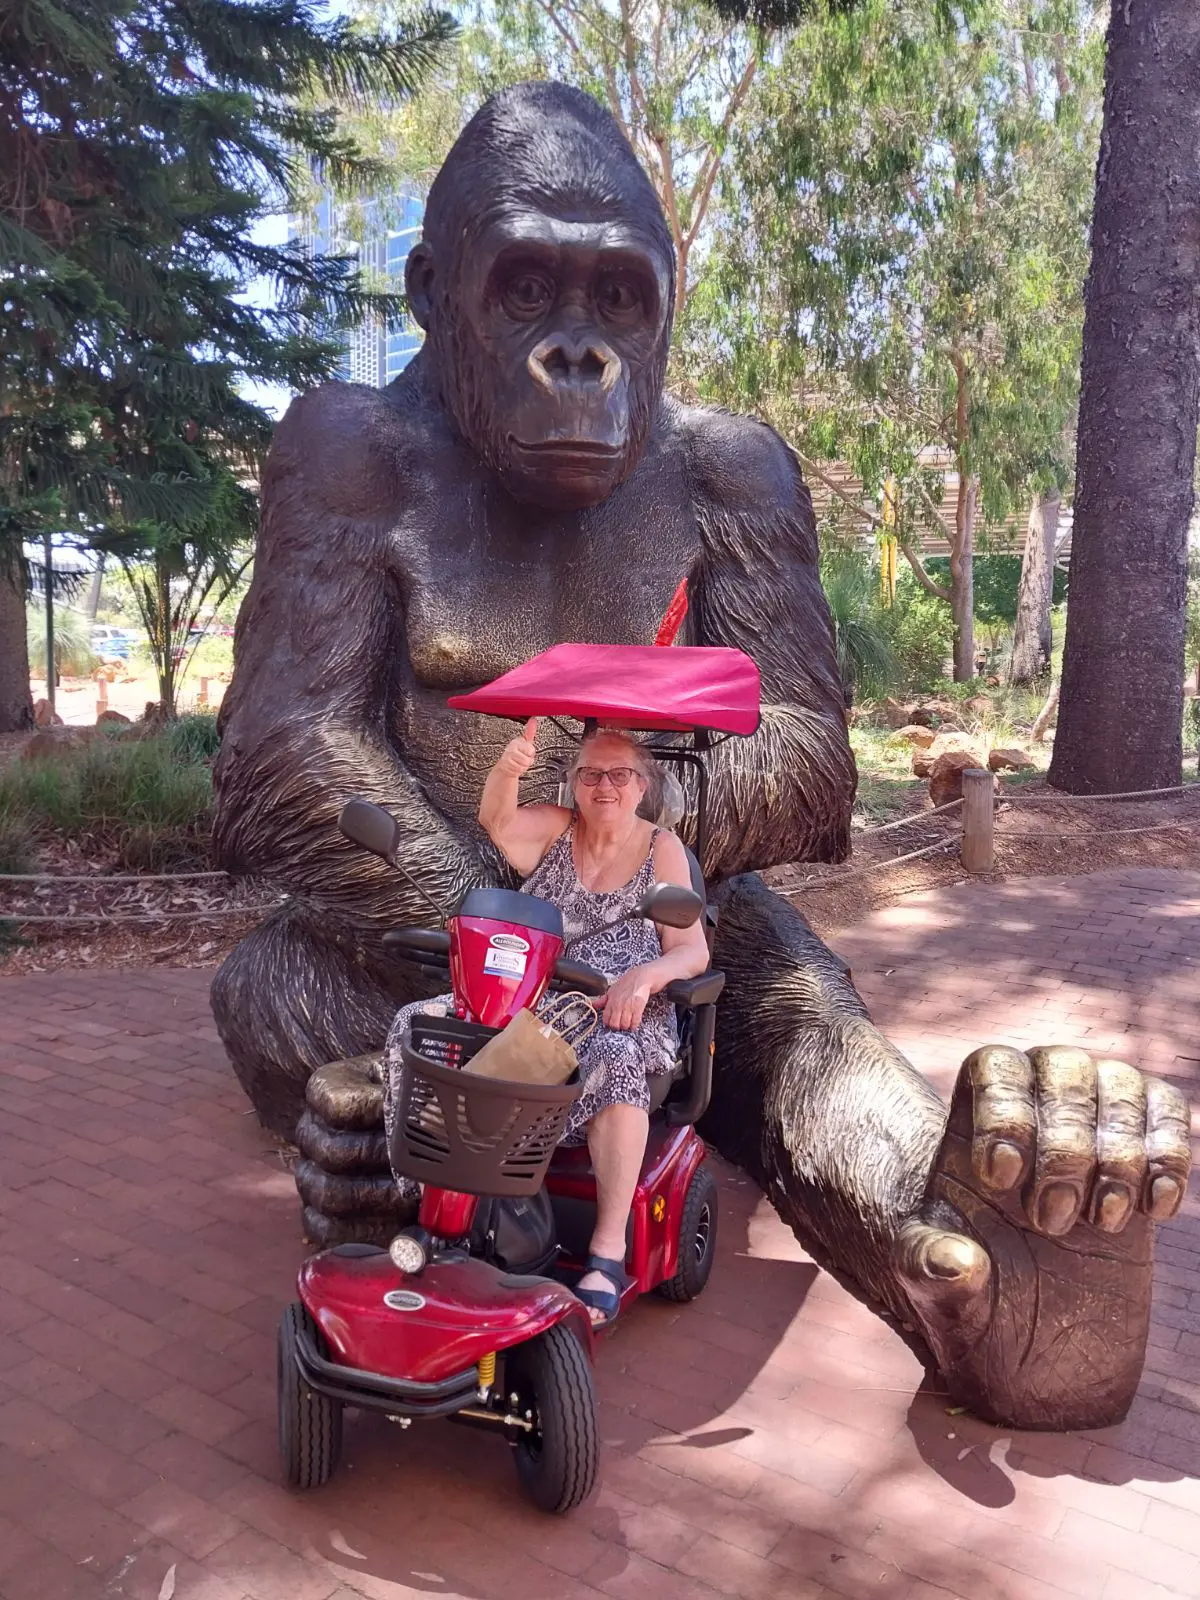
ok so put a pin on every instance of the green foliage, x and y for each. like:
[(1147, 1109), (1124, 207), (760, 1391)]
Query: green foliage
[(920, 634), (866, 662), (73, 653), (141, 141), (109, 787), (898, 279), (995, 585), (18, 844), (678, 78), (193, 738)]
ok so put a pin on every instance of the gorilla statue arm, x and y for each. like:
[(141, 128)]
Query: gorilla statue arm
[(1015, 1230), (303, 728), (786, 793)]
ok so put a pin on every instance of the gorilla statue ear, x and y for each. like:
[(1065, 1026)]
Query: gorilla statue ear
[(418, 284)]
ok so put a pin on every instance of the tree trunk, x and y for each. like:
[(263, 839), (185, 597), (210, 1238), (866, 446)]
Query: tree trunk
[(16, 707), (962, 581), (1033, 638), (1122, 687), (95, 588)]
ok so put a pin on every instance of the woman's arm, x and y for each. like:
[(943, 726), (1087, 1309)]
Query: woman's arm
[(522, 834), (684, 950)]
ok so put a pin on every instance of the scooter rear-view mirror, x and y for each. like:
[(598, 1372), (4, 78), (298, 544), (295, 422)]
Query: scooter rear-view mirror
[(671, 905), (370, 826)]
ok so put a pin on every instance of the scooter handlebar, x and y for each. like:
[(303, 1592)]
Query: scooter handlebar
[(429, 947), (578, 975)]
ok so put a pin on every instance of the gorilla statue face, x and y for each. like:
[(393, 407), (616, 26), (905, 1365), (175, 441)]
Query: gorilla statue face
[(545, 281)]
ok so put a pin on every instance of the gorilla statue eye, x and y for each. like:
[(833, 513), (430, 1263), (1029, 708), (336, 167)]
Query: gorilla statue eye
[(527, 294), (618, 297)]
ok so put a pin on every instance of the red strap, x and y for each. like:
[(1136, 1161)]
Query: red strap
[(676, 611)]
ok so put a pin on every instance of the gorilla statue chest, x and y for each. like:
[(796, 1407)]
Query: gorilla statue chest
[(487, 581), (498, 581)]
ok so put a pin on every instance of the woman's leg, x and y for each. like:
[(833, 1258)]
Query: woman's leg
[(616, 1140)]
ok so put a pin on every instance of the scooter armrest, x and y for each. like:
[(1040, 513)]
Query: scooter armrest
[(693, 992)]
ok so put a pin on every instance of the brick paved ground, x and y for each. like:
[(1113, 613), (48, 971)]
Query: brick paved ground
[(775, 1439)]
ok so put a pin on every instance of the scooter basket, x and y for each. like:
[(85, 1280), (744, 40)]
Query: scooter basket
[(472, 1134)]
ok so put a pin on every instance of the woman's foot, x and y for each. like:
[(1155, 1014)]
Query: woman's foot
[(601, 1287)]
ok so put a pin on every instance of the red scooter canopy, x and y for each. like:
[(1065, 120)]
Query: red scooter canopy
[(681, 689)]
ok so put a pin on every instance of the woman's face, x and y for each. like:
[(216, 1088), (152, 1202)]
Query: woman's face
[(608, 786)]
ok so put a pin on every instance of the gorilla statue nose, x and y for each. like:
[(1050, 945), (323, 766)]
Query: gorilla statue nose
[(558, 361)]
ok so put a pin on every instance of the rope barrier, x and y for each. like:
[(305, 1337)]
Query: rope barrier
[(1082, 799), (1093, 833), (875, 866), (907, 822)]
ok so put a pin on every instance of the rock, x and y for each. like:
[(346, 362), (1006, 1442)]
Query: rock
[(980, 706), (43, 717), (1014, 760), (915, 734), (894, 714), (945, 776), (948, 743), (920, 717), (48, 744), (114, 716)]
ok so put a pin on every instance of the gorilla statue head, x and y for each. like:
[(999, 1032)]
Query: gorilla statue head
[(545, 281)]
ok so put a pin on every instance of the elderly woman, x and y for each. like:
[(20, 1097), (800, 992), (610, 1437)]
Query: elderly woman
[(595, 862)]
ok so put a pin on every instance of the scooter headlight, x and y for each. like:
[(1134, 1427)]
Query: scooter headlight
[(407, 1253)]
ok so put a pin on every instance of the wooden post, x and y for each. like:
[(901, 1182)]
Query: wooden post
[(101, 696), (976, 852), (202, 699)]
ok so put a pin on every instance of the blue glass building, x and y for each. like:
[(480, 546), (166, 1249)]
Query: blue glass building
[(390, 228)]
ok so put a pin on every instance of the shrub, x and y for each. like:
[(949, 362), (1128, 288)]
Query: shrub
[(109, 787), (73, 653), (866, 663), (18, 847), (920, 634), (193, 737)]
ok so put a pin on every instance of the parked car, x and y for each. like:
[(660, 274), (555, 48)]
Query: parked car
[(111, 644)]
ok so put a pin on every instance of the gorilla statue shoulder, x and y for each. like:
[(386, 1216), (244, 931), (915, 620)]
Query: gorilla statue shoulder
[(527, 481)]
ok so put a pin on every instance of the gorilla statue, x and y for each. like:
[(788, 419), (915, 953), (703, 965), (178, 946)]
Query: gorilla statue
[(527, 481)]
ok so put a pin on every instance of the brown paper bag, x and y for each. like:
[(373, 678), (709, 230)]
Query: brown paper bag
[(526, 1050)]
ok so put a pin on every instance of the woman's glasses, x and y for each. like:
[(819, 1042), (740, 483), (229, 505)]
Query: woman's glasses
[(591, 777)]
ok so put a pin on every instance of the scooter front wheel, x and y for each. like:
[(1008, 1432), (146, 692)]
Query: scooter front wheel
[(310, 1424), (558, 1460)]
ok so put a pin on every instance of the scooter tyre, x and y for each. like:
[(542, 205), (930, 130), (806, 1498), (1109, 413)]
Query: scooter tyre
[(310, 1424), (697, 1239), (558, 1465)]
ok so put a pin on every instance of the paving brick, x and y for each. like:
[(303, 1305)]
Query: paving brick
[(185, 1520), (267, 1570)]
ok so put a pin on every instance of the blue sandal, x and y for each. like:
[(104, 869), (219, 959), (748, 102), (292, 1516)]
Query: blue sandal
[(606, 1301)]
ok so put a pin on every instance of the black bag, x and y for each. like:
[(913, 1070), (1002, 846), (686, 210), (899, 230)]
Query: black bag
[(517, 1235)]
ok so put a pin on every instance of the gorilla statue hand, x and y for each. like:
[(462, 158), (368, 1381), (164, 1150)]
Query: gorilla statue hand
[(1028, 1265)]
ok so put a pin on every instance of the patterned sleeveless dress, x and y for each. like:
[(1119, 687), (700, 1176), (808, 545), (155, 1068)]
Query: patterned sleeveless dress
[(614, 1064)]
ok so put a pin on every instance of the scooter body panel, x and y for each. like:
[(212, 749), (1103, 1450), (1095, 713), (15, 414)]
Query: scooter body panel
[(431, 1325), (672, 1156)]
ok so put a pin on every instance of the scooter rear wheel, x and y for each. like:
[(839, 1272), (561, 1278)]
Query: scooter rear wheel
[(697, 1239), (310, 1424), (557, 1462)]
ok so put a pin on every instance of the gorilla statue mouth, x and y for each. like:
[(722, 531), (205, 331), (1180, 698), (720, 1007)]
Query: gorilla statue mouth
[(591, 451)]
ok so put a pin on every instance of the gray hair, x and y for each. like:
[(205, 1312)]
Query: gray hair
[(640, 758)]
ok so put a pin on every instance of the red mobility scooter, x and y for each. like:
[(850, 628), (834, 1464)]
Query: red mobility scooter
[(468, 1314)]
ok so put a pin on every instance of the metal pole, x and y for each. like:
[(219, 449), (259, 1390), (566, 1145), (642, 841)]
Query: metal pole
[(49, 623)]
